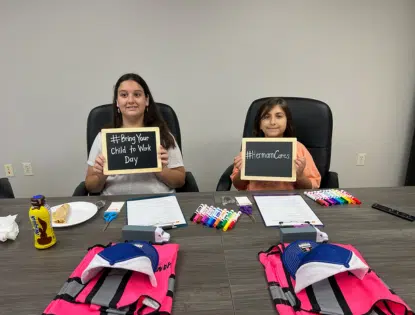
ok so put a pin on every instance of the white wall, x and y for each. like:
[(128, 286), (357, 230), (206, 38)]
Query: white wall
[(209, 60)]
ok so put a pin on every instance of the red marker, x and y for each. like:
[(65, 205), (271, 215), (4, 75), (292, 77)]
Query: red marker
[(234, 221), (352, 197), (314, 196)]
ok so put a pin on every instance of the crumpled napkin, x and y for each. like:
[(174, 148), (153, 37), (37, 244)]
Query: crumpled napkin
[(8, 228)]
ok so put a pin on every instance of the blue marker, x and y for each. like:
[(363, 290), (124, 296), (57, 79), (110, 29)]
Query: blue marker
[(213, 217)]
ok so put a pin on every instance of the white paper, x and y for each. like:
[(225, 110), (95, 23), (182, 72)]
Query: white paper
[(290, 210), (243, 201), (115, 206), (160, 211)]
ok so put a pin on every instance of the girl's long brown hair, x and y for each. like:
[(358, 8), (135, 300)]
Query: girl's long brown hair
[(152, 116), (265, 109)]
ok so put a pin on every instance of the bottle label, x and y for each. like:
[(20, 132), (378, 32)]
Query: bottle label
[(35, 225)]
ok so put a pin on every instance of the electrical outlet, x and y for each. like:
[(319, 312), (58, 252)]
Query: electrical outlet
[(361, 157), (27, 169), (8, 169)]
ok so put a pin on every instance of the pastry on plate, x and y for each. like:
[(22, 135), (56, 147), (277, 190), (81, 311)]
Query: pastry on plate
[(61, 214)]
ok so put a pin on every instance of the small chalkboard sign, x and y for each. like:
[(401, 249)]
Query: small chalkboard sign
[(269, 159), (131, 150)]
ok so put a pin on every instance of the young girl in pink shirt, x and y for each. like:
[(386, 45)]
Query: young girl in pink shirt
[(274, 120)]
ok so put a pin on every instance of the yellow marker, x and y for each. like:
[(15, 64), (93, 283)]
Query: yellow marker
[(224, 220), (348, 199), (225, 228)]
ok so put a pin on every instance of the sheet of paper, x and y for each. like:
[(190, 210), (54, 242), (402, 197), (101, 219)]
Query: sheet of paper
[(285, 211), (159, 211), (243, 201), (115, 206)]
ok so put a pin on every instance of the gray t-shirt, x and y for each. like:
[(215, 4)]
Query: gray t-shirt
[(143, 183)]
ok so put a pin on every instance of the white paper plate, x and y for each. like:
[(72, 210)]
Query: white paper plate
[(80, 212)]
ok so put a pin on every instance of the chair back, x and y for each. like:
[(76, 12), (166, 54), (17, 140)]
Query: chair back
[(6, 190)]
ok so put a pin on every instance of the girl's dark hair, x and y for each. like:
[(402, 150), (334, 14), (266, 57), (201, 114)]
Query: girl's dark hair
[(265, 109), (152, 116)]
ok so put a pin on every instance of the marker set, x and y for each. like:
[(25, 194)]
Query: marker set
[(213, 217), (332, 197)]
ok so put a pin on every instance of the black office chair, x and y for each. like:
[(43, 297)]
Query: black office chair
[(313, 123), (6, 190), (102, 116)]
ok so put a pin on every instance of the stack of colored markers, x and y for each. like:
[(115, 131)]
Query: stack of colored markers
[(214, 217), (331, 197)]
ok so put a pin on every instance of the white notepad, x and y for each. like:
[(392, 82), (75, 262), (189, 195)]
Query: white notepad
[(286, 211), (156, 211)]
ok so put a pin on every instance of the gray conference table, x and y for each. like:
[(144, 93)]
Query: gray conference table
[(217, 272)]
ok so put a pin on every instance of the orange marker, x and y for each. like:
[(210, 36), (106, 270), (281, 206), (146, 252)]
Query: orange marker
[(220, 217)]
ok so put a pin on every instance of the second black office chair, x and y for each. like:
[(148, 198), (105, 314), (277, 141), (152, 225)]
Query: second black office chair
[(313, 123), (102, 116)]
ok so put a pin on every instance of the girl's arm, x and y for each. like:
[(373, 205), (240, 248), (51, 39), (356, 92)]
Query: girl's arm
[(95, 179), (236, 174), (173, 177), (308, 176)]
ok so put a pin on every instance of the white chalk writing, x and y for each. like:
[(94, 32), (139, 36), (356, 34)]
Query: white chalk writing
[(253, 155), (129, 160), (144, 147), (138, 138), (118, 150), (115, 139), (129, 146)]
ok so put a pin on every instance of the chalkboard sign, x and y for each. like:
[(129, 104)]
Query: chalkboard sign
[(269, 159), (131, 150)]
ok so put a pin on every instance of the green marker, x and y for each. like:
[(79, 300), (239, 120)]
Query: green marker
[(218, 226), (225, 220)]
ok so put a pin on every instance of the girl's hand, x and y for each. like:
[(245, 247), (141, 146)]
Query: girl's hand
[(164, 156), (299, 166), (237, 161), (99, 165)]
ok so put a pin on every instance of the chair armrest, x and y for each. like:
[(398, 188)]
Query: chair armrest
[(331, 180), (225, 182), (190, 184)]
